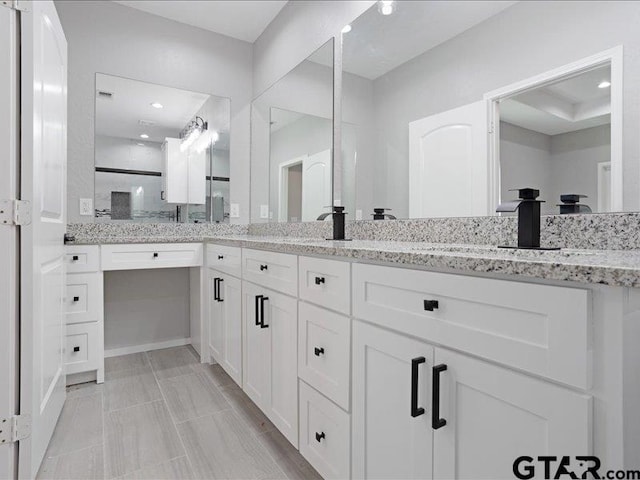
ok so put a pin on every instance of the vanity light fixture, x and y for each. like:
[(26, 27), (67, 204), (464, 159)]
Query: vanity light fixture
[(157, 105), (605, 84), (144, 135), (191, 132), (386, 7), (205, 140), (346, 29)]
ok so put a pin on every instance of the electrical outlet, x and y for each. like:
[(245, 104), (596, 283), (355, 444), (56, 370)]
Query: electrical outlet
[(86, 207), (358, 214), (264, 211), (234, 210)]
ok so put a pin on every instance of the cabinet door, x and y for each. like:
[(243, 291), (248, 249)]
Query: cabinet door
[(256, 348), (281, 318), (494, 415), (214, 309), (391, 416), (230, 296)]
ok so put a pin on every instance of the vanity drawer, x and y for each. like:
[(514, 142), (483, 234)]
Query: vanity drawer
[(326, 283), (144, 256), (83, 301), (324, 359), (536, 328), (82, 258), (225, 259), (325, 434), (277, 271), (82, 353)]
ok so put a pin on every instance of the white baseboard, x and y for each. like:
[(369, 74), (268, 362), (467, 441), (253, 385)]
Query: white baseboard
[(115, 352)]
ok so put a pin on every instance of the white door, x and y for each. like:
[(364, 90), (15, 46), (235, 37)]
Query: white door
[(448, 163), (230, 297), (256, 347), (214, 309), (316, 185), (43, 183), (494, 415), (391, 417)]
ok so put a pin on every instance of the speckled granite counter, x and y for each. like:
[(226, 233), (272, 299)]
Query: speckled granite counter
[(607, 267)]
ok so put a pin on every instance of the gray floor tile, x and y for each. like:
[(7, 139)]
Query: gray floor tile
[(222, 447), (192, 396), (172, 362), (294, 465), (79, 426), (125, 362), (176, 469), (86, 464), (84, 390), (126, 388), (247, 410), (218, 376), (139, 437)]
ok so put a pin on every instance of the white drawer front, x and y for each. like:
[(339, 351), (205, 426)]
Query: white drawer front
[(324, 359), (82, 258), (225, 259), (324, 434), (82, 350), (143, 256), (537, 328), (325, 283), (277, 271), (84, 297)]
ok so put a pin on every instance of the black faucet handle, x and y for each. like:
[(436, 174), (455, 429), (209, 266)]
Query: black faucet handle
[(527, 193)]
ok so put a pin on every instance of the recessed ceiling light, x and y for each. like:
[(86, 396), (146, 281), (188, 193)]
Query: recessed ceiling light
[(386, 7), (604, 84), (140, 144), (144, 135), (346, 29), (157, 105)]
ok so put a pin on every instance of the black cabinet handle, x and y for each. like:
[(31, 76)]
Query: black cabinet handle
[(220, 299), (216, 289), (155, 254), (319, 436), (75, 258), (220, 257), (76, 349), (319, 280), (416, 411), (262, 300), (436, 421), (258, 298), (263, 267), (318, 351), (76, 299), (430, 305)]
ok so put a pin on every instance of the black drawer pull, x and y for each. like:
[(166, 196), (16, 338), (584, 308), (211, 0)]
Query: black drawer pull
[(319, 436), (430, 305), (76, 299), (319, 280), (318, 351), (75, 258), (263, 267), (258, 298), (220, 299), (416, 411), (436, 421), (220, 257), (262, 324), (155, 254), (76, 349)]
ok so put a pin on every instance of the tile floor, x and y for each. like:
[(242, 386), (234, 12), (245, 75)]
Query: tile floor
[(162, 415)]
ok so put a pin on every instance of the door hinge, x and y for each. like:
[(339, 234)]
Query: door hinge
[(14, 5), (15, 212), (15, 428)]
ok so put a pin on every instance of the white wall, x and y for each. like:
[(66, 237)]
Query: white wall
[(109, 38)]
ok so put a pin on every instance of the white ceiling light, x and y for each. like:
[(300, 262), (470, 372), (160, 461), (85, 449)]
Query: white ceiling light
[(157, 105), (140, 144), (346, 29), (604, 84), (386, 7), (144, 135)]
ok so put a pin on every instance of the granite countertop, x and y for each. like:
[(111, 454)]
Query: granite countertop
[(607, 267)]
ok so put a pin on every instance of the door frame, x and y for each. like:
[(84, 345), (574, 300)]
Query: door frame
[(9, 234), (614, 57), (283, 186)]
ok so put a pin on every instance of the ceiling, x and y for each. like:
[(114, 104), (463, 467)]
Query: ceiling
[(120, 115), (244, 20), (566, 106), (377, 44)]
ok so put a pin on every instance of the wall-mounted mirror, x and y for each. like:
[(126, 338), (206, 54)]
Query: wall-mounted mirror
[(292, 143), (161, 153), (446, 106)]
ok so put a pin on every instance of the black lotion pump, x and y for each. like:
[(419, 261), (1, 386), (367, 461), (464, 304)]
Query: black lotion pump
[(528, 208), (339, 217)]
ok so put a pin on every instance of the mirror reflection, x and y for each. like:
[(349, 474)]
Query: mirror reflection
[(291, 143), (161, 153)]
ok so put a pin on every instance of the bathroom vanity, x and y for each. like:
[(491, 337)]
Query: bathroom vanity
[(381, 359)]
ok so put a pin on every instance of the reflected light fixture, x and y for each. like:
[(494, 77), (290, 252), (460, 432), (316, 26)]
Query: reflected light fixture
[(205, 140), (386, 7), (157, 105), (140, 144), (605, 84), (191, 132), (144, 135), (346, 29)]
